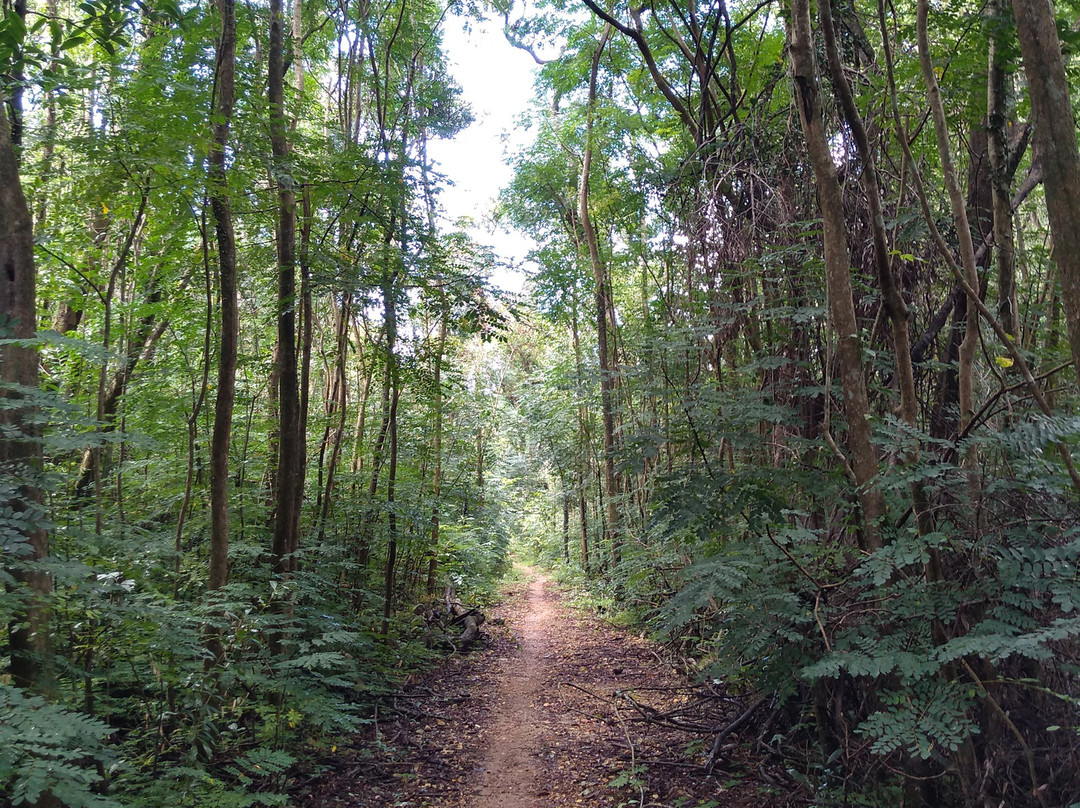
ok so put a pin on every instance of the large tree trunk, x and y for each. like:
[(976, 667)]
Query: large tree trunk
[(17, 85), (20, 448), (230, 313), (1055, 143), (863, 460)]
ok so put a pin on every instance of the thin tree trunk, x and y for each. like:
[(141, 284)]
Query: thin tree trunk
[(603, 306), (230, 312), (436, 449), (196, 408), (965, 365), (377, 457), (1033, 387), (289, 457), (837, 273), (17, 85), (273, 436), (110, 391), (565, 522), (306, 337), (390, 301), (480, 468), (367, 371), (582, 437), (357, 464), (341, 401), (895, 305), (1000, 175)]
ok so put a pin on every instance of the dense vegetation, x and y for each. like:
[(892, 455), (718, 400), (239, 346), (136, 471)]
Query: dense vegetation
[(794, 383)]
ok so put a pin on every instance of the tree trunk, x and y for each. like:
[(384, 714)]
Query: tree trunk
[(290, 458), (895, 305), (603, 306), (1000, 175), (480, 468), (377, 455), (582, 438), (339, 401), (966, 357), (436, 450), (367, 369), (306, 337), (20, 448), (17, 85), (894, 302), (230, 313), (837, 274), (390, 303), (1055, 143), (110, 391), (565, 496)]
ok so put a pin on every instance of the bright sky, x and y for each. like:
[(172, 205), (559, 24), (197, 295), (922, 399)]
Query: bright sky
[(497, 82)]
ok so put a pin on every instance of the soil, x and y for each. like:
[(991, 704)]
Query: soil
[(557, 709)]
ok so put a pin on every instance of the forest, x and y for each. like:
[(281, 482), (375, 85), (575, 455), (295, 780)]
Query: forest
[(791, 389)]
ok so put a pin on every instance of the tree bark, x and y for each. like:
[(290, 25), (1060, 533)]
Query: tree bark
[(837, 275), (603, 306), (338, 404), (289, 459), (895, 305), (436, 450), (390, 302), (582, 438), (1000, 175), (230, 312), (20, 447), (966, 358), (1055, 143), (564, 495)]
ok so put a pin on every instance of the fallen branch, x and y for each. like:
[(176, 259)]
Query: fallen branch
[(730, 728), (471, 618)]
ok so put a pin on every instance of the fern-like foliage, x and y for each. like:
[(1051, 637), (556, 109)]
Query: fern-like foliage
[(45, 748)]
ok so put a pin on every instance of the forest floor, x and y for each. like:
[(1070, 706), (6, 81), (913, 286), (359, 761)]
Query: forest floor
[(556, 708)]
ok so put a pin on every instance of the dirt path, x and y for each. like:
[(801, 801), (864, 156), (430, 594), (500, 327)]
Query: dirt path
[(512, 775), (558, 709)]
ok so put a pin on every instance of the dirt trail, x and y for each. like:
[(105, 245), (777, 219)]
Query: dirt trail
[(557, 709), (512, 775)]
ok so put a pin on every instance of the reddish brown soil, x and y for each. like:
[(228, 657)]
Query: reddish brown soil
[(556, 710)]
